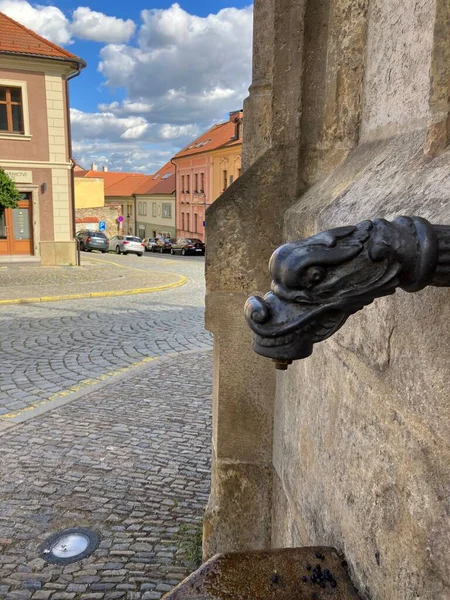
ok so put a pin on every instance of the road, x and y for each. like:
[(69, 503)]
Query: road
[(49, 349), (127, 454)]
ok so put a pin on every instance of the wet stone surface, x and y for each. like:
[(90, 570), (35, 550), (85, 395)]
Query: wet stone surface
[(130, 461)]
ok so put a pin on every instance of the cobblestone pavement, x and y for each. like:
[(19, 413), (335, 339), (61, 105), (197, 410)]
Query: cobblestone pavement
[(49, 348), (130, 461)]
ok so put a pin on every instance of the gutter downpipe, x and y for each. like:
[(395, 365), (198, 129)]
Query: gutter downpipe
[(69, 141), (176, 187)]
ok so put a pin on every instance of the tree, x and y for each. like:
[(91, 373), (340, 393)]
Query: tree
[(9, 195)]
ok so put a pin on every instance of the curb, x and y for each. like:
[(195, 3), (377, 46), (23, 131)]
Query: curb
[(158, 288)]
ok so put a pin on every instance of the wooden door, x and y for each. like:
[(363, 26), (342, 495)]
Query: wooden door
[(16, 228)]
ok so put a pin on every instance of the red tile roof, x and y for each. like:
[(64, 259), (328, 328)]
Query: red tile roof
[(17, 39), (128, 185), (218, 136), (162, 182)]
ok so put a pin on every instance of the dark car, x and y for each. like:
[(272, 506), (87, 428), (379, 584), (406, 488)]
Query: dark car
[(93, 240), (188, 246), (162, 245)]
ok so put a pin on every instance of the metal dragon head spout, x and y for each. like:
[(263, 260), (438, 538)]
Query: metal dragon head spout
[(317, 283)]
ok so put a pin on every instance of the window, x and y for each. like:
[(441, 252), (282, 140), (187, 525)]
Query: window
[(202, 182), (140, 211), (182, 221), (166, 210), (144, 208), (141, 232), (196, 182), (231, 179), (182, 184), (195, 222), (225, 179), (188, 184), (154, 209), (239, 172), (187, 222), (11, 110)]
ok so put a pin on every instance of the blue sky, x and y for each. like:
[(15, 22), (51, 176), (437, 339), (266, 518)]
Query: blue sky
[(159, 72)]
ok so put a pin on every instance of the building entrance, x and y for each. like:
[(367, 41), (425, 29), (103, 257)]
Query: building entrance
[(16, 228)]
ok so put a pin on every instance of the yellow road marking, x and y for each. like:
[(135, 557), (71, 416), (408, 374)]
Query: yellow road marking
[(113, 262), (78, 387), (158, 288)]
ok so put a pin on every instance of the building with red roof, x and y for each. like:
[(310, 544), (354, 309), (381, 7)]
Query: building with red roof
[(146, 202), (35, 145), (205, 168)]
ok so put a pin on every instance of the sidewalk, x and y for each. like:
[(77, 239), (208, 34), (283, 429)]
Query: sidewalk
[(33, 283), (130, 461)]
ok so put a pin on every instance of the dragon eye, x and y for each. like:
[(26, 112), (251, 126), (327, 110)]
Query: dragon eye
[(315, 275)]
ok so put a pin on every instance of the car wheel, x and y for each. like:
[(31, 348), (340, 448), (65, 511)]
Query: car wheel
[(104, 251), (183, 252), (202, 253), (125, 253), (117, 250), (89, 249)]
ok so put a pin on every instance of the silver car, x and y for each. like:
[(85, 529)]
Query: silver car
[(126, 244)]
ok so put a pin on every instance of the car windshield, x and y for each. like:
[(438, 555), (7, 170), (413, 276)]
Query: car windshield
[(194, 241), (98, 234), (133, 239)]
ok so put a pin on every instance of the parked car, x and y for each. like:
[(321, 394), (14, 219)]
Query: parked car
[(188, 246), (93, 240), (126, 244), (162, 245), (149, 243)]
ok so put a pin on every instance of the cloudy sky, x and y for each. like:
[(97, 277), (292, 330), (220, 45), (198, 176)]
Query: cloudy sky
[(159, 73)]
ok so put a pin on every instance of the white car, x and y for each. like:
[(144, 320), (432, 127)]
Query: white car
[(126, 244)]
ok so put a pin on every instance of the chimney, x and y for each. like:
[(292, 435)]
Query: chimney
[(94, 167), (236, 114), (104, 168)]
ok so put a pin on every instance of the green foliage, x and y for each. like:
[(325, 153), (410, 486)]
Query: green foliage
[(9, 196), (189, 541)]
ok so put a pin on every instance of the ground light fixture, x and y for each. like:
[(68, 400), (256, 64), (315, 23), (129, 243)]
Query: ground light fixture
[(69, 545)]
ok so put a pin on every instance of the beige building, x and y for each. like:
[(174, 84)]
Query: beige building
[(155, 204), (347, 120), (35, 148)]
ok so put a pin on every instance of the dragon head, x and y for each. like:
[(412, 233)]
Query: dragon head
[(320, 281)]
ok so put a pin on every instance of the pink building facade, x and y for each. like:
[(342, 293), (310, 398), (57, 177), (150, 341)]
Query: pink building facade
[(193, 195), (203, 170)]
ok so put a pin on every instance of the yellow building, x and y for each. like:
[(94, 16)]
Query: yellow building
[(225, 168), (89, 193)]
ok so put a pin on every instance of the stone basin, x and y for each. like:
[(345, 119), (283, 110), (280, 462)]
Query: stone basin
[(310, 573)]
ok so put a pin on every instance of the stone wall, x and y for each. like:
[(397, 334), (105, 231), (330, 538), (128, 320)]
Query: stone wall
[(347, 119), (108, 214)]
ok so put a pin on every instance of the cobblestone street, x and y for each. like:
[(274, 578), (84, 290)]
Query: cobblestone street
[(130, 461), (127, 456), (46, 348)]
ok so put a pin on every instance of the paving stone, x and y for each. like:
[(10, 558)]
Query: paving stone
[(150, 436)]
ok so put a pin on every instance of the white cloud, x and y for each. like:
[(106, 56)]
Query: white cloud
[(107, 126), (92, 25), (54, 25), (48, 21), (121, 156), (187, 68)]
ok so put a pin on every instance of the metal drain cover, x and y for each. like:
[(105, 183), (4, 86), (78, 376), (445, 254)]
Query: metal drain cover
[(69, 545)]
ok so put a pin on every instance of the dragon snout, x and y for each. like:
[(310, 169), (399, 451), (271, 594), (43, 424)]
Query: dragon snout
[(257, 310)]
